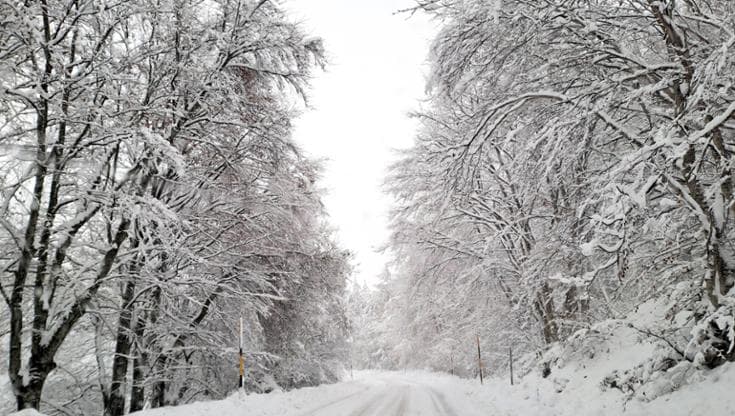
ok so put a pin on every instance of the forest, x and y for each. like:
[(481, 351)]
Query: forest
[(150, 197), (569, 191), (574, 162)]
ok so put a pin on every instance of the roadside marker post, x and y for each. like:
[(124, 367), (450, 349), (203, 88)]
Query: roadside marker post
[(510, 361), (479, 359), (241, 384)]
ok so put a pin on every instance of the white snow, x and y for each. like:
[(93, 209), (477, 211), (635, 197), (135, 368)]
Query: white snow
[(27, 412), (573, 390), (613, 350), (370, 393)]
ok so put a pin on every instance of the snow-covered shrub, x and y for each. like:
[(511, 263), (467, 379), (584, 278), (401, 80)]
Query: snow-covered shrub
[(635, 381), (713, 339), (584, 344), (666, 381), (627, 381)]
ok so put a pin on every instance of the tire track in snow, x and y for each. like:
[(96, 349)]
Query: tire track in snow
[(324, 406), (440, 403), (392, 400), (403, 406), (380, 405)]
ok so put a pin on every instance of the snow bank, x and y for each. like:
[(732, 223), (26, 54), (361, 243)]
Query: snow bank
[(711, 396), (615, 368), (574, 389), (270, 404), (582, 395), (27, 412)]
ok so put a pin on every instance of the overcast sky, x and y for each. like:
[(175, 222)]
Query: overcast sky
[(359, 111)]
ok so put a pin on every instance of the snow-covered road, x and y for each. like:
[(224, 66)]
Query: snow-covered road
[(370, 393), (379, 393), (390, 394)]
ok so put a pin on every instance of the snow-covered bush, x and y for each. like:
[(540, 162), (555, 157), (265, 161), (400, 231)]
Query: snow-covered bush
[(713, 338)]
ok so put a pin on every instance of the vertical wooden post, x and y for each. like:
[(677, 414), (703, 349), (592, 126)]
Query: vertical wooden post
[(510, 354), (241, 383), (479, 359)]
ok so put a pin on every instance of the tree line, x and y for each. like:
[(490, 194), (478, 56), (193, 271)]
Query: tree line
[(150, 195), (574, 160)]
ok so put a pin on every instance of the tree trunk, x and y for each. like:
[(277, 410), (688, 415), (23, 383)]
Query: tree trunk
[(41, 360), (137, 395), (140, 363), (29, 395), (716, 282), (545, 309), (122, 353), (158, 394)]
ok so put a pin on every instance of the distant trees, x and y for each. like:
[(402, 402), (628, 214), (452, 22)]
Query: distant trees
[(574, 160), (151, 194)]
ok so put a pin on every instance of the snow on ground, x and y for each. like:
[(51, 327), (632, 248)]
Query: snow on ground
[(375, 393), (613, 368), (410, 393), (27, 412), (536, 396), (370, 393), (610, 369)]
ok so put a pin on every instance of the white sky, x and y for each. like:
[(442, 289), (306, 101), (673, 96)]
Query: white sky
[(359, 111)]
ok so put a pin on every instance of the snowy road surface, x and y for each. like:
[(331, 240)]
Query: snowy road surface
[(377, 393), (391, 394), (371, 393)]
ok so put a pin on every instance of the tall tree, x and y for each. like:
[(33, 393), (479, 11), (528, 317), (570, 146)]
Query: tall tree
[(576, 144), (149, 169)]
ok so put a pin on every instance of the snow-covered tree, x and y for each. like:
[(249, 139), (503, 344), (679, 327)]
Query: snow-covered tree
[(582, 150), (151, 193)]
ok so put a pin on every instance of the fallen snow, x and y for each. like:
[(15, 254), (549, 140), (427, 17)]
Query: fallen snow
[(374, 393), (370, 393), (575, 386), (27, 412), (612, 350)]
